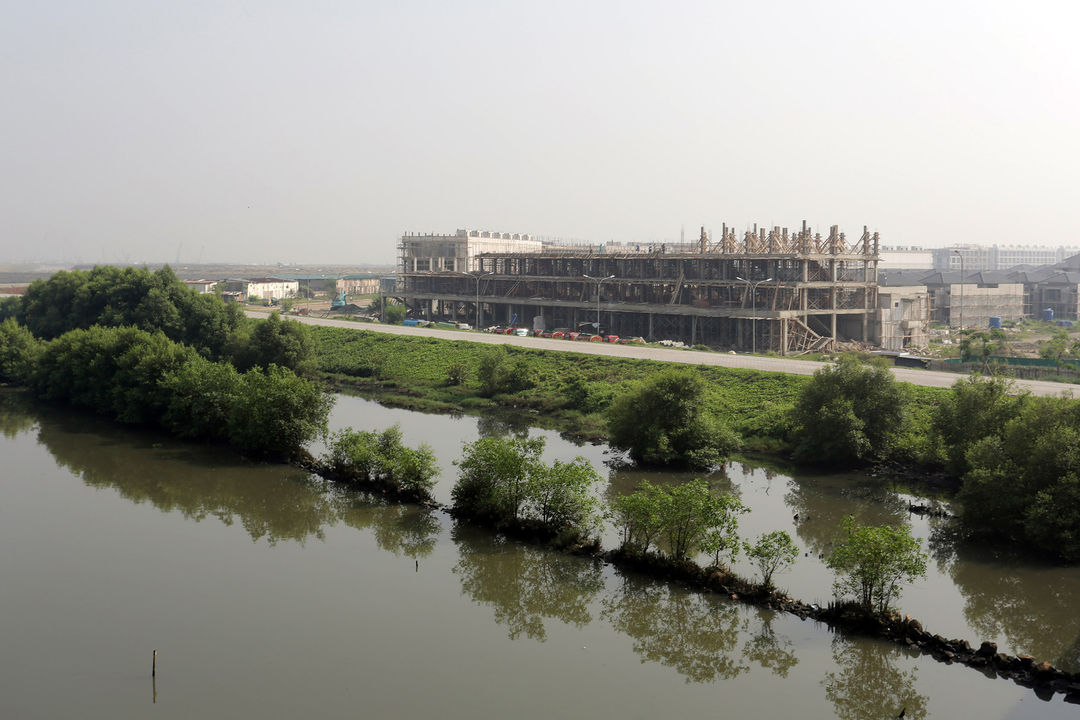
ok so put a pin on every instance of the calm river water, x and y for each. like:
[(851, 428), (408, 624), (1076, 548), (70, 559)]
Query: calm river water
[(269, 594)]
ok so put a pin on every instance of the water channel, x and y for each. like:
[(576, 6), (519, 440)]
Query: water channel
[(268, 593)]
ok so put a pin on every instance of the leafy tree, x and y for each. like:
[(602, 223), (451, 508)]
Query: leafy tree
[(276, 341), (394, 314), (688, 518), (848, 413), (639, 516), (504, 481), (975, 408), (696, 520), (19, 351), (561, 496), (493, 476), (773, 552), (662, 421), (871, 562), (277, 412)]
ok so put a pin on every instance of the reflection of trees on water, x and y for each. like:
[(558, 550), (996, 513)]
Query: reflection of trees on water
[(1034, 607), (502, 424), (15, 413), (404, 530), (525, 585), (275, 502), (693, 633), (822, 502), (867, 684), (771, 651)]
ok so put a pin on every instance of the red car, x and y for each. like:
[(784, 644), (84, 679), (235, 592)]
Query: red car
[(559, 333), (547, 334), (573, 335), (611, 338)]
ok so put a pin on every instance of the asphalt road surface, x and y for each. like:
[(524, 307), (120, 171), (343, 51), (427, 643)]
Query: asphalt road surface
[(914, 376)]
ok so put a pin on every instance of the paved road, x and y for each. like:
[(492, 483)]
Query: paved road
[(914, 376)]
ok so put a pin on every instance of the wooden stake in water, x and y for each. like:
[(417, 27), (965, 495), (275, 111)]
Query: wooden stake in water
[(153, 669)]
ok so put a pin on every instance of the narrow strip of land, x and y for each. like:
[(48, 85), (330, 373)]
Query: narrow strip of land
[(928, 378)]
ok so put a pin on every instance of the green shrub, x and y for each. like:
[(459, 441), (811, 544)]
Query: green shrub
[(848, 413), (662, 421)]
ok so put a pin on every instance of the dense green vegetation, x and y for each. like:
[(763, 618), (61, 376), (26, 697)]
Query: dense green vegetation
[(979, 433), (381, 460), (503, 482), (111, 297), (142, 348), (849, 413), (133, 376), (679, 521), (662, 421)]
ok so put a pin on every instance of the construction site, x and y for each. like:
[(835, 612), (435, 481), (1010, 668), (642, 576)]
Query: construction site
[(780, 291)]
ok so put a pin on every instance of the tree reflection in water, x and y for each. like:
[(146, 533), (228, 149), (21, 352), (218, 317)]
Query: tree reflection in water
[(525, 585), (693, 633), (15, 413), (765, 647), (1030, 604), (404, 530), (868, 685), (275, 502), (822, 502)]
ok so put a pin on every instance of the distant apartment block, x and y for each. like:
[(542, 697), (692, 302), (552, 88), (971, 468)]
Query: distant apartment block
[(997, 257)]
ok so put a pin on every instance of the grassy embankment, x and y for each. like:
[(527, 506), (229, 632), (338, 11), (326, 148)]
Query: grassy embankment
[(568, 391)]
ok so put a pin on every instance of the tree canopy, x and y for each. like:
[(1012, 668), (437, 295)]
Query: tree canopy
[(847, 413), (663, 421), (871, 563)]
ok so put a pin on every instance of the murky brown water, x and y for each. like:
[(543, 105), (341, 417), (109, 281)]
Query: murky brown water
[(268, 594)]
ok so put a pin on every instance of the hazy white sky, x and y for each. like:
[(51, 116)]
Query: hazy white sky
[(317, 131)]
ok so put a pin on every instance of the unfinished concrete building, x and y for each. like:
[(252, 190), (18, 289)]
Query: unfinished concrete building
[(788, 292)]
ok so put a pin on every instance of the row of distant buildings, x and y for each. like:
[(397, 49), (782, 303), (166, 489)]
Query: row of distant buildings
[(971, 258), (279, 288), (777, 289)]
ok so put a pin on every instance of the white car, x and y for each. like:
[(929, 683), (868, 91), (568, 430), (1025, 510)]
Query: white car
[(521, 332)]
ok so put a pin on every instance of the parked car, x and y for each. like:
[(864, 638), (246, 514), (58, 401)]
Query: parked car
[(547, 334), (573, 335), (538, 332), (611, 338), (632, 341), (596, 338), (520, 332), (559, 333)]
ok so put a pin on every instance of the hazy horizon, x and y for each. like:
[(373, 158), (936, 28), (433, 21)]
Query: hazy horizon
[(273, 132)]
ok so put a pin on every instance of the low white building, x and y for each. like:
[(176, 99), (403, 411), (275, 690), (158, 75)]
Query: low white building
[(203, 287), (265, 288)]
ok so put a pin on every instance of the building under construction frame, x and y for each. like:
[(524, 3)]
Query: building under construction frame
[(789, 293)]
